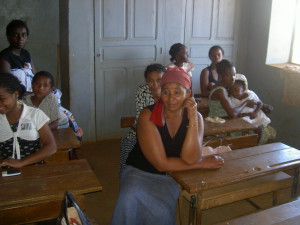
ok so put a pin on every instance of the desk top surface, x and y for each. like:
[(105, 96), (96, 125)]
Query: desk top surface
[(288, 213), (48, 182), (241, 165), (65, 139), (231, 125)]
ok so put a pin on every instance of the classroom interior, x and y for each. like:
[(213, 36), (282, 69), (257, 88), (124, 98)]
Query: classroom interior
[(98, 49)]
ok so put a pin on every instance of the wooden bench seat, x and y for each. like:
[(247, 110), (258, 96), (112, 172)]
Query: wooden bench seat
[(235, 192), (285, 214)]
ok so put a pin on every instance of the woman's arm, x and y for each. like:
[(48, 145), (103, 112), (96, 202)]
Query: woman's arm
[(204, 82), (53, 125), (233, 112), (191, 149), (153, 149), (4, 66), (48, 148)]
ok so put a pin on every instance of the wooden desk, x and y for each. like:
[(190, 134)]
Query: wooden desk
[(66, 139), (241, 165), (285, 214), (67, 143), (231, 125), (37, 193)]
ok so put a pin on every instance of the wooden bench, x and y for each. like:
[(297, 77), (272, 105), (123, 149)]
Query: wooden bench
[(286, 214), (127, 122), (236, 192)]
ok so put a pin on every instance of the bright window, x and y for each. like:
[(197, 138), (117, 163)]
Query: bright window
[(284, 33)]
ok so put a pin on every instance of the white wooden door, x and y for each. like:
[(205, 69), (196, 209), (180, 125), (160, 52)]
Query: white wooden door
[(128, 37), (208, 23)]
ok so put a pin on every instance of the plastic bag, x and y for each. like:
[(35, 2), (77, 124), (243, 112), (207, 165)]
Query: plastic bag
[(71, 213)]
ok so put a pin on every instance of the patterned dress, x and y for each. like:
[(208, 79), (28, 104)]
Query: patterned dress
[(143, 98)]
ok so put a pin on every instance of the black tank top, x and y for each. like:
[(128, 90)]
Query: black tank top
[(211, 78), (172, 146), (16, 62)]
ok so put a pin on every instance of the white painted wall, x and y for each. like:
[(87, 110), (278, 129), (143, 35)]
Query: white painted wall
[(263, 79), (43, 22)]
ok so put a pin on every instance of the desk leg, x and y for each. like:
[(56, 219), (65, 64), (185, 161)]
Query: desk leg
[(295, 183), (199, 208), (192, 210)]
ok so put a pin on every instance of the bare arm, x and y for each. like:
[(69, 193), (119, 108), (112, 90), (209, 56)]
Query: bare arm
[(204, 82), (232, 111), (48, 148), (191, 149), (4, 66), (53, 125), (153, 149)]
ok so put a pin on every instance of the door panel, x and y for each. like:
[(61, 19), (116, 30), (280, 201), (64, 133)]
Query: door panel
[(128, 37), (208, 23)]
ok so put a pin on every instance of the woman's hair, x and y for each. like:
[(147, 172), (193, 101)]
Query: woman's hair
[(43, 74), (223, 66), (15, 24), (175, 48), (215, 47), (12, 84), (156, 67)]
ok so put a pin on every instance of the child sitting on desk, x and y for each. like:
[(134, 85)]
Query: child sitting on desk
[(25, 137), (239, 93)]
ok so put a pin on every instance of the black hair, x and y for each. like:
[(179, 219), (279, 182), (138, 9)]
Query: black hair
[(175, 48), (12, 84), (156, 67), (240, 83), (43, 74), (215, 47), (15, 24), (223, 66)]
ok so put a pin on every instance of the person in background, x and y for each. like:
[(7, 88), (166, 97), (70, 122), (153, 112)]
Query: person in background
[(240, 93), (146, 94), (209, 75), (170, 135), (25, 136), (43, 98), (180, 58), (15, 59), (219, 102)]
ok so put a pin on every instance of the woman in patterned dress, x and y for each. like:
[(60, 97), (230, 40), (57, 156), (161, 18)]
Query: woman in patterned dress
[(146, 94)]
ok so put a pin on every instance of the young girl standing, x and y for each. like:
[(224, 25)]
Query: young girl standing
[(42, 98), (25, 137), (209, 75), (180, 58)]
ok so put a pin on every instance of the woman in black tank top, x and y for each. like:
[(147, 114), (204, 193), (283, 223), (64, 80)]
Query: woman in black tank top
[(169, 139), (209, 75)]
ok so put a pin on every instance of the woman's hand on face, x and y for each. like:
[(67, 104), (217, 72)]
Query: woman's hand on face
[(12, 163), (211, 162), (191, 105)]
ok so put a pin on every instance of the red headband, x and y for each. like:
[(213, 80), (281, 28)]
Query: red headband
[(176, 75)]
